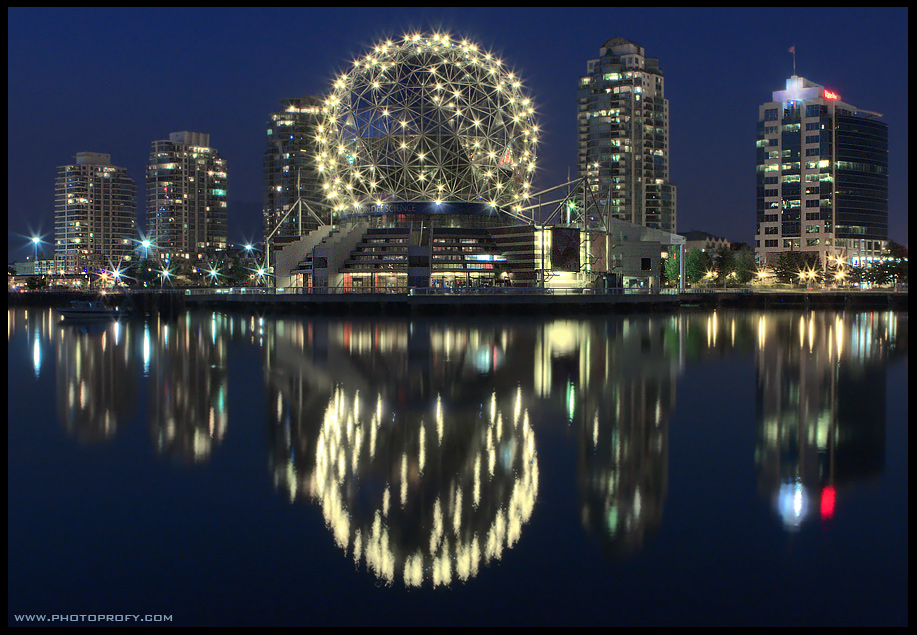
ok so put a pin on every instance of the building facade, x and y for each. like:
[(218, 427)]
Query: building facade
[(292, 188), (822, 177), (95, 215), (186, 196), (426, 150), (623, 136), (705, 241), (421, 178)]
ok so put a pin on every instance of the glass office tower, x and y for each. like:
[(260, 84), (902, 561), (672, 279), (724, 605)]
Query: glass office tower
[(822, 177)]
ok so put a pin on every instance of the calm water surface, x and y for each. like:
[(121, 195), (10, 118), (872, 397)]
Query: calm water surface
[(744, 468)]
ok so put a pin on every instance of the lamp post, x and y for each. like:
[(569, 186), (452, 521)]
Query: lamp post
[(252, 251), (35, 242), (261, 275), (807, 278), (213, 274), (709, 276), (840, 273)]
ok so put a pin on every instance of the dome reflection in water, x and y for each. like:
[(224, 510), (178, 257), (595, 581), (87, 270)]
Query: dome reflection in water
[(424, 471)]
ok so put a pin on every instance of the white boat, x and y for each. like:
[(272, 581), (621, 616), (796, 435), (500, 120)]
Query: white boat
[(81, 309)]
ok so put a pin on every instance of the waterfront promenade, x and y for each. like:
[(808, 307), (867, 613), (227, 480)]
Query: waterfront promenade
[(487, 300)]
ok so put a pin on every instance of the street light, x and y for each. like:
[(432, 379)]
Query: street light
[(840, 273), (35, 241), (213, 274), (251, 250), (807, 275)]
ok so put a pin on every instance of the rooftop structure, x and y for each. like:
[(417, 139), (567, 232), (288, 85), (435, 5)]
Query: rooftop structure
[(704, 241)]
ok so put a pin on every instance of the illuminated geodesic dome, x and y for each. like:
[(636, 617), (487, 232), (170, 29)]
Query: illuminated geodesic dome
[(428, 119)]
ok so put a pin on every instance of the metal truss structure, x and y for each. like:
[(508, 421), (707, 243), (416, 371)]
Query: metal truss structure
[(572, 204), (427, 119)]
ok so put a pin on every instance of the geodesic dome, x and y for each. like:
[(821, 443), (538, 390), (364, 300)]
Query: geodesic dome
[(427, 119)]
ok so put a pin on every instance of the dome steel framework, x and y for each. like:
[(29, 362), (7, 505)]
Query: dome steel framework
[(426, 119)]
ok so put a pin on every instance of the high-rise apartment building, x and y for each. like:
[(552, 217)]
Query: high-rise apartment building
[(623, 130), (822, 176), (291, 180), (186, 196), (95, 215)]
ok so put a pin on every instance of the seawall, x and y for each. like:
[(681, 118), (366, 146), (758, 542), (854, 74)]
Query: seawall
[(502, 302)]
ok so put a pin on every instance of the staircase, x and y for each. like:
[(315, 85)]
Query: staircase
[(328, 258), (287, 255)]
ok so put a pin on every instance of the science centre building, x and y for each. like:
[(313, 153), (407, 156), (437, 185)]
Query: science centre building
[(425, 152)]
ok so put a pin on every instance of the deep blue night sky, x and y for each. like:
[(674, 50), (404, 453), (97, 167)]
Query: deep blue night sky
[(114, 80)]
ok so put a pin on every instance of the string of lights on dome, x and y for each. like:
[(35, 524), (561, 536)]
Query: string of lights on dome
[(428, 118)]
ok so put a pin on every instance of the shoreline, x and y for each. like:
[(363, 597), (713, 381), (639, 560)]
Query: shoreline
[(503, 303)]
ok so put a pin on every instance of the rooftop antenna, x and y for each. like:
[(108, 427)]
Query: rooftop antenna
[(793, 51)]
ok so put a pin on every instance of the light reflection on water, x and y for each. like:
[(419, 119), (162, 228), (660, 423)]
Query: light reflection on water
[(419, 440)]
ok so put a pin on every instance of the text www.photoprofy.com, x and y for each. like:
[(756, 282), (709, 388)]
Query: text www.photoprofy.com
[(91, 617)]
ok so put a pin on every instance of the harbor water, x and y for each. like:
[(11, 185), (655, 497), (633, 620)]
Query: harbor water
[(223, 467)]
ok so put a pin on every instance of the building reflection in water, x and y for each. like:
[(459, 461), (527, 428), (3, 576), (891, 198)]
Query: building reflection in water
[(417, 438), (96, 391), (420, 454), (186, 359), (615, 382), (38, 326), (820, 407), (405, 431)]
